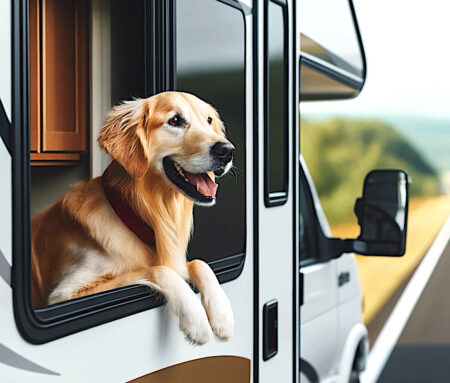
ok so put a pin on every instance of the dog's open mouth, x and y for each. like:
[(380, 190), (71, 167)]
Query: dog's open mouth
[(200, 188)]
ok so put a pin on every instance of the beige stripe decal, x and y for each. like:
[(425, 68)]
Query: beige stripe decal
[(214, 369)]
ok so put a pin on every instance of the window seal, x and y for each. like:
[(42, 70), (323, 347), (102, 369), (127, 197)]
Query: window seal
[(280, 197)]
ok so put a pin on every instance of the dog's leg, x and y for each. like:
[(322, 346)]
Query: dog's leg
[(193, 321), (216, 303)]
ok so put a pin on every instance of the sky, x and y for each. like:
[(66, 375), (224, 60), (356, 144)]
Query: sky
[(407, 45)]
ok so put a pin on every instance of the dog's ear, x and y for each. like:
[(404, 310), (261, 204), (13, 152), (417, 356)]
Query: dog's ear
[(123, 136)]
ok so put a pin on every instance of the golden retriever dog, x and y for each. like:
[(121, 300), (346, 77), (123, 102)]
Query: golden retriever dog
[(166, 151)]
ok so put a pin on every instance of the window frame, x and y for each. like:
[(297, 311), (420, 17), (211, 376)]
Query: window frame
[(276, 198), (39, 326)]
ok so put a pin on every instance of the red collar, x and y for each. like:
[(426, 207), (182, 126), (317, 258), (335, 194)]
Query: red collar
[(127, 215)]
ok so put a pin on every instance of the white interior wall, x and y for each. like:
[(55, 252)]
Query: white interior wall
[(100, 80)]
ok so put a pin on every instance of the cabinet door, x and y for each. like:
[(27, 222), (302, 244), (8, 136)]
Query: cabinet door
[(64, 75)]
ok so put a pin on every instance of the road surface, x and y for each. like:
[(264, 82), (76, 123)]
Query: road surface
[(422, 353)]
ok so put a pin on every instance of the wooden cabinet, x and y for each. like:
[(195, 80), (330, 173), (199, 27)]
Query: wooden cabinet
[(59, 68)]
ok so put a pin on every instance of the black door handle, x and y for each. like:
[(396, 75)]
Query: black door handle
[(270, 329)]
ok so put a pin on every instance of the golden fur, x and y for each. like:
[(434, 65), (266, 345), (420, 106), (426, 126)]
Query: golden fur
[(81, 228)]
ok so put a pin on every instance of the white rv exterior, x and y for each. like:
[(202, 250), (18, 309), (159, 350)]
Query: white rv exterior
[(333, 339), (147, 341), (323, 339)]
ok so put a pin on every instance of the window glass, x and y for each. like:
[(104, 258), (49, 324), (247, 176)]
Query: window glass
[(306, 227), (128, 47), (276, 128), (218, 77), (304, 253), (328, 32), (304, 248)]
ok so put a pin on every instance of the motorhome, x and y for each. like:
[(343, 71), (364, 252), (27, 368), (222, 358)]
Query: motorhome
[(294, 289)]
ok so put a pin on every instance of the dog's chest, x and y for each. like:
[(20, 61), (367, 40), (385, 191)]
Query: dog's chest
[(86, 265)]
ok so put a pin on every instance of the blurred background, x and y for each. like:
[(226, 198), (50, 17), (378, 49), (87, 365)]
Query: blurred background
[(401, 119)]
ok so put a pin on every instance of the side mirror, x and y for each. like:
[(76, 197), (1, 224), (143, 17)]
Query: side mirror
[(382, 214)]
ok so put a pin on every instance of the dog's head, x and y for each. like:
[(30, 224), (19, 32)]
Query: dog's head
[(174, 134)]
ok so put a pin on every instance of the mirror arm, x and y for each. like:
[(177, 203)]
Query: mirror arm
[(339, 246)]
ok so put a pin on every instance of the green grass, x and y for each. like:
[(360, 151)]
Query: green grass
[(340, 152)]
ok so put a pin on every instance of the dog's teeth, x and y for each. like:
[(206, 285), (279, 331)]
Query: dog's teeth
[(180, 170), (211, 176)]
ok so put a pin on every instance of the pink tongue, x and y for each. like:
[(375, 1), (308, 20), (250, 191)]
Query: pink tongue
[(204, 184)]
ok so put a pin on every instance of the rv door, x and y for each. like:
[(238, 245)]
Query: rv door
[(277, 180)]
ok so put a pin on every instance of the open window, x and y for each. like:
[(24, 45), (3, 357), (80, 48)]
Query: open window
[(85, 57)]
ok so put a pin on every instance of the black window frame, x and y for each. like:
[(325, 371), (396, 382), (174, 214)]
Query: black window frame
[(39, 326), (280, 197)]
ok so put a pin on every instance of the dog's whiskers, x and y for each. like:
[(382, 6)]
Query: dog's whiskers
[(234, 173)]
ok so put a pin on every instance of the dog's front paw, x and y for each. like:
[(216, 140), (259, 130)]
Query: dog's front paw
[(220, 314), (194, 322)]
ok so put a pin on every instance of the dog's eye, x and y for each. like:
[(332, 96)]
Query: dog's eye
[(209, 120), (176, 121)]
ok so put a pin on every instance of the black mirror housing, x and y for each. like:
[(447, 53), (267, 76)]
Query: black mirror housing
[(382, 213)]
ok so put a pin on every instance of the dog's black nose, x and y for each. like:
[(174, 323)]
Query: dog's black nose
[(223, 151)]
